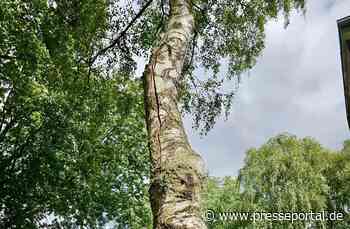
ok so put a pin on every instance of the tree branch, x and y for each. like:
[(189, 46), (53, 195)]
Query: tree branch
[(163, 10), (189, 64), (122, 33)]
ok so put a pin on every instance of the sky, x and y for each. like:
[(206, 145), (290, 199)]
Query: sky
[(295, 87)]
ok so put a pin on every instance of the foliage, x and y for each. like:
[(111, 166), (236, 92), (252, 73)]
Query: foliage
[(338, 177), (229, 32), (286, 174), (72, 141), (221, 195)]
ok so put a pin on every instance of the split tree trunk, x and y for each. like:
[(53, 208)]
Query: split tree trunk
[(177, 171)]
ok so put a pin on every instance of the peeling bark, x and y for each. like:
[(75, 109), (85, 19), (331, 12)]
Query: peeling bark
[(177, 171)]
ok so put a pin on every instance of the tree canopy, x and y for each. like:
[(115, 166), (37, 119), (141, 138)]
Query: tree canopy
[(286, 174), (72, 143), (225, 31)]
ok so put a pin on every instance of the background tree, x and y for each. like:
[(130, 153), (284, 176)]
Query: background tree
[(286, 174), (338, 177)]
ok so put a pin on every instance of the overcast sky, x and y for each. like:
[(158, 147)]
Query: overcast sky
[(295, 87)]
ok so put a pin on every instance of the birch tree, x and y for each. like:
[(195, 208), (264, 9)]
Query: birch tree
[(178, 37)]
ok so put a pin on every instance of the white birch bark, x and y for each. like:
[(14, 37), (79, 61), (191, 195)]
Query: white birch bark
[(177, 171)]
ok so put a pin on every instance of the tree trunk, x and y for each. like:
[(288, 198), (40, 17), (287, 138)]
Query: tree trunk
[(177, 171)]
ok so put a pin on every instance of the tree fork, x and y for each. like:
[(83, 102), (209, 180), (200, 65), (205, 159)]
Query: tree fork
[(177, 171)]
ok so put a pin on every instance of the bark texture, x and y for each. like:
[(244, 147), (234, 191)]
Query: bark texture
[(177, 171)]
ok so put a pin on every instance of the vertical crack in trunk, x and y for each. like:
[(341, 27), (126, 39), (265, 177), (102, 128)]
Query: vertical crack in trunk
[(177, 171), (158, 110)]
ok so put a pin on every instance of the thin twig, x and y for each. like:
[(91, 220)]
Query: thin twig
[(122, 33)]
